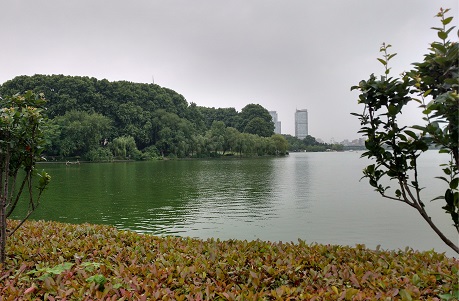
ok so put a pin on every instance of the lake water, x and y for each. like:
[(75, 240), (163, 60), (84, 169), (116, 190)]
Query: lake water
[(316, 197)]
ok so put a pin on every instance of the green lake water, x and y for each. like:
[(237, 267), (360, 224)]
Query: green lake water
[(316, 197)]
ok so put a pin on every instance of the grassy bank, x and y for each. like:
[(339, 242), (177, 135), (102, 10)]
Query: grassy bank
[(54, 261)]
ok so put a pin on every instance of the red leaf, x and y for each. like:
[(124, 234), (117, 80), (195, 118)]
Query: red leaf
[(30, 290)]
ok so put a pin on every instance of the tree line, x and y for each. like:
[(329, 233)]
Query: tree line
[(310, 144), (97, 120)]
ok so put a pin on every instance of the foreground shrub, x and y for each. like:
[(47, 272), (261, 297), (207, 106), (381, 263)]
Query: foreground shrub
[(54, 261)]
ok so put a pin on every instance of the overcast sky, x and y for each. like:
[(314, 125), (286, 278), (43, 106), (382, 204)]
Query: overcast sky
[(282, 54)]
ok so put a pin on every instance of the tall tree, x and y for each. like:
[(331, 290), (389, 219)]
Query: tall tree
[(255, 119), (82, 132), (280, 144), (395, 148), (21, 144), (125, 148), (216, 135)]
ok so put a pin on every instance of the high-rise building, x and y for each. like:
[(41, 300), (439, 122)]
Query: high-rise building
[(301, 124), (277, 124)]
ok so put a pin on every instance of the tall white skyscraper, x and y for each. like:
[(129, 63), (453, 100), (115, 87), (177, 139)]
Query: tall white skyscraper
[(301, 124), (277, 124)]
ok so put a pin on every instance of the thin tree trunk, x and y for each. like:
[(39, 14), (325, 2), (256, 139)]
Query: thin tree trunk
[(439, 233), (4, 195)]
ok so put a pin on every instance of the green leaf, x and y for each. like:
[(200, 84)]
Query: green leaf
[(454, 183), (418, 127), (382, 61), (427, 92), (447, 171), (411, 134), (393, 110), (442, 35), (402, 137), (438, 198), (417, 100), (442, 178), (416, 280), (427, 111), (439, 47), (90, 266), (447, 21), (449, 297), (98, 279), (391, 56), (449, 197), (449, 30), (406, 296)]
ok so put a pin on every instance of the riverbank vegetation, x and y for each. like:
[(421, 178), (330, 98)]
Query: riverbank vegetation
[(54, 261), (95, 120), (98, 120), (310, 144)]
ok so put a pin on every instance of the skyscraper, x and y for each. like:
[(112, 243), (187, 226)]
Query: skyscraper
[(301, 124), (277, 124)]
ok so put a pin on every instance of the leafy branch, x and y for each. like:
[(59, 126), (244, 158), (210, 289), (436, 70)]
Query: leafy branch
[(396, 148)]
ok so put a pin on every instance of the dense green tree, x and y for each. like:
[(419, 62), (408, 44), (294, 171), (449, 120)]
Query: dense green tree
[(82, 132), (22, 142), (172, 134), (65, 93), (261, 145), (229, 116), (248, 145), (52, 133), (259, 126), (295, 144), (86, 114), (216, 136), (99, 154), (196, 117), (124, 147), (198, 145), (395, 148), (263, 124), (230, 139), (132, 120), (280, 144), (310, 144), (309, 140)]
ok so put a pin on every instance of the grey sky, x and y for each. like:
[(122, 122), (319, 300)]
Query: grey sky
[(283, 55)]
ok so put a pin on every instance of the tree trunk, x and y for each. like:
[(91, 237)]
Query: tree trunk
[(3, 197), (445, 239)]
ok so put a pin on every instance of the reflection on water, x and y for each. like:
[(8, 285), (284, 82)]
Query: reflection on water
[(313, 196)]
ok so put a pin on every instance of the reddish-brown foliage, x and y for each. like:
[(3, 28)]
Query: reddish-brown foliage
[(54, 261)]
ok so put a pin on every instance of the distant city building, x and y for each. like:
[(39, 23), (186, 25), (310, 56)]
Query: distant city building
[(301, 124), (355, 142), (277, 124)]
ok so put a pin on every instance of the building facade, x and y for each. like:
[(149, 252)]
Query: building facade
[(301, 124), (277, 123)]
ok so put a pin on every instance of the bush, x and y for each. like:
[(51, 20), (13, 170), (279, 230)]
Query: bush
[(88, 262)]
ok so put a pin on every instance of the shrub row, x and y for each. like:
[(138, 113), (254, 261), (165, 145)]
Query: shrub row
[(55, 261)]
